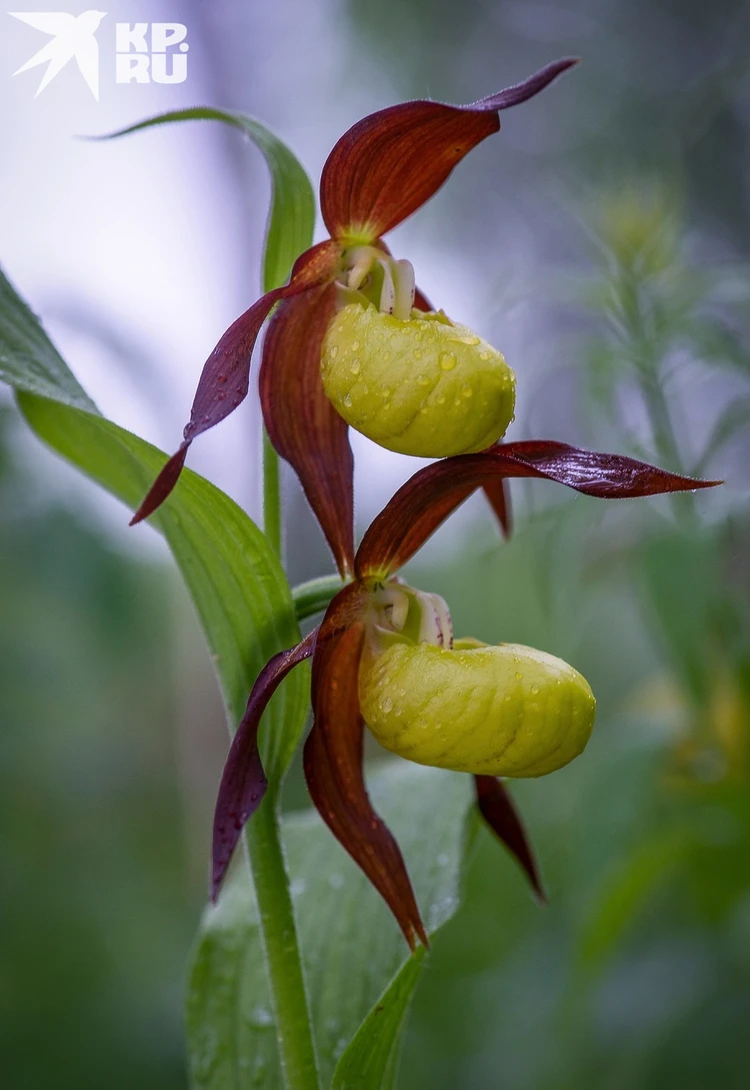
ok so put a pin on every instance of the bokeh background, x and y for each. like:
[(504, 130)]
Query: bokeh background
[(601, 242)]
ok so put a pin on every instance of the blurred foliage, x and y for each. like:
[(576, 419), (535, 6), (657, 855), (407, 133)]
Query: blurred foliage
[(96, 912)]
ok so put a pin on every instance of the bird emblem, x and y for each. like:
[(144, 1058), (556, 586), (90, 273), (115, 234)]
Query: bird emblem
[(73, 36)]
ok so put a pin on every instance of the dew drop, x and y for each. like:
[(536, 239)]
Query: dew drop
[(417, 353), (422, 380), (348, 401), (447, 361), (519, 675), (483, 355), (535, 688), (334, 351), (386, 705), (467, 391), (386, 355), (470, 340), (355, 366), (355, 346), (440, 399)]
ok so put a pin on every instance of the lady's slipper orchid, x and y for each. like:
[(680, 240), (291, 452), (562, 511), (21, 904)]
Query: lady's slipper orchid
[(353, 341), (384, 656)]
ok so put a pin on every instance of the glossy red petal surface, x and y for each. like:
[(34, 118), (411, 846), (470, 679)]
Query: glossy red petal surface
[(225, 378), (427, 498), (302, 423), (389, 163), (498, 497), (243, 782), (421, 302), (333, 762), (498, 810)]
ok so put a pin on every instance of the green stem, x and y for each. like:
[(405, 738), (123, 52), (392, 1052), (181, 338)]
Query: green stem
[(271, 495), (278, 927), (278, 931), (314, 595)]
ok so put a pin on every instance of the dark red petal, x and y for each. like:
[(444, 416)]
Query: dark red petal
[(427, 498), (388, 164), (243, 782), (333, 761), (421, 302), (225, 378), (162, 486), (608, 476), (302, 423), (498, 495), (498, 810)]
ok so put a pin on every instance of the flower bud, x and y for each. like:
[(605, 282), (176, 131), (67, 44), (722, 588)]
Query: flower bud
[(420, 386), (507, 710)]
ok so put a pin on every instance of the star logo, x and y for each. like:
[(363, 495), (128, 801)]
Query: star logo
[(73, 37)]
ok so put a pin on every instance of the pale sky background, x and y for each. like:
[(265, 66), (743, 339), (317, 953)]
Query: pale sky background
[(138, 253)]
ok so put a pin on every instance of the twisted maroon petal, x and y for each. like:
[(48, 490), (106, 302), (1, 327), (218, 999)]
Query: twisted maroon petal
[(498, 810), (243, 782), (433, 493), (498, 496), (225, 378), (388, 164), (302, 423), (333, 761), (421, 302)]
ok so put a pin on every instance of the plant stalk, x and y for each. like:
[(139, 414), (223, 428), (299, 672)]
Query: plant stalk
[(278, 927), (271, 496), (278, 931)]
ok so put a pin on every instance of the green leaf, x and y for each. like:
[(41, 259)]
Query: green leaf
[(371, 1058), (292, 216), (357, 964), (28, 359), (236, 583)]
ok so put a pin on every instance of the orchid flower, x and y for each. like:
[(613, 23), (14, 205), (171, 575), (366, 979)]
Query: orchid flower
[(353, 341), (384, 656)]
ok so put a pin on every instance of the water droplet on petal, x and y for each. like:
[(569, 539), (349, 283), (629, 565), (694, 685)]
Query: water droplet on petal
[(355, 366), (447, 361), (348, 401)]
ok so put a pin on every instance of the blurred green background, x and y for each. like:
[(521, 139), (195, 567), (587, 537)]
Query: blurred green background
[(604, 244)]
